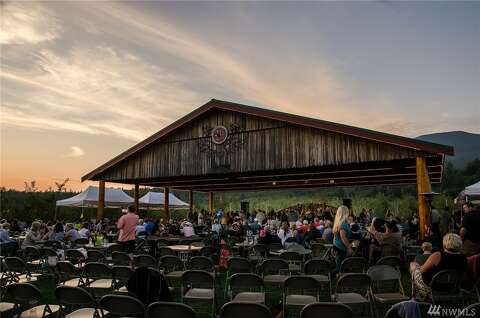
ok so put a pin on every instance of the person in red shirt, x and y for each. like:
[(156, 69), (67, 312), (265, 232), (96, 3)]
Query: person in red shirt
[(127, 225)]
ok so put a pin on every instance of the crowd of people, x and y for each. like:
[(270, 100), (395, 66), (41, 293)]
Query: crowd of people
[(349, 234)]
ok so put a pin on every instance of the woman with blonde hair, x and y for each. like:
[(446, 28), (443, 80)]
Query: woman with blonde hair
[(341, 232), (450, 258), (33, 235)]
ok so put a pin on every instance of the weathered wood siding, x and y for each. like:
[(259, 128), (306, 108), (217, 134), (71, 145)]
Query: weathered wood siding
[(269, 145)]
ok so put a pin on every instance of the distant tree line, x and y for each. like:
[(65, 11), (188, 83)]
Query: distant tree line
[(32, 203)]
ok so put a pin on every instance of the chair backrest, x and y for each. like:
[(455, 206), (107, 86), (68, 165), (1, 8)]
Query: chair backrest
[(32, 253), (206, 250), (194, 278), (49, 251), (81, 241), (165, 250), (246, 280), (168, 309), (273, 266), (242, 310), (144, 260), (95, 256), (200, 263), (121, 258), (120, 305), (383, 273), (97, 270), (114, 248), (446, 281), (301, 285), (393, 311), (353, 281), (74, 256), (170, 263), (473, 311), (24, 293), (15, 264), (353, 265), (318, 266), (336, 310), (67, 268), (318, 249), (393, 261), (260, 249), (76, 296), (121, 273), (291, 256), (239, 265), (274, 246)]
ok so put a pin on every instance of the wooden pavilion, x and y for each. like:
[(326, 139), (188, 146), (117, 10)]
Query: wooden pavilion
[(225, 146)]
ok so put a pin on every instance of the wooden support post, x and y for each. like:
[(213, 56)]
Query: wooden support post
[(210, 202), (136, 195), (423, 185), (190, 204), (166, 205), (101, 200)]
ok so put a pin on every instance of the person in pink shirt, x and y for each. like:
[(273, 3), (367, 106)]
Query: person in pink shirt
[(127, 225)]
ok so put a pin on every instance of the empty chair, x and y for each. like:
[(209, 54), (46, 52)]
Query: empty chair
[(98, 278), (445, 287), (121, 258), (320, 269), (172, 267), (318, 250), (258, 253), (115, 247), (299, 291), (167, 309), (353, 265), (352, 289), (95, 256), (386, 287), (236, 265), (75, 257), (206, 251), (246, 287), (165, 250), (393, 261), (27, 298), (121, 306), (200, 287), (144, 260), (75, 301), (326, 310), (69, 275), (201, 263), (80, 242), (120, 275), (274, 271), (33, 257), (294, 261), (242, 310), (16, 271)]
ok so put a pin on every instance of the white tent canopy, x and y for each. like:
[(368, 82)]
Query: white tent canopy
[(473, 189), (157, 200), (89, 198)]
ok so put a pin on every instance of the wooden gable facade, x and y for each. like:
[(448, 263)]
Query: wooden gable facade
[(264, 149)]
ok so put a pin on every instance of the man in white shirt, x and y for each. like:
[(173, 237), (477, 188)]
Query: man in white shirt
[(187, 229)]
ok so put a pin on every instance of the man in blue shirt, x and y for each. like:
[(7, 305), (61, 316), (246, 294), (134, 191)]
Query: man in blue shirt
[(7, 245)]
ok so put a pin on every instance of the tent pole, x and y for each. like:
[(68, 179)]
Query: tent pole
[(166, 193), (136, 195), (101, 199), (190, 204)]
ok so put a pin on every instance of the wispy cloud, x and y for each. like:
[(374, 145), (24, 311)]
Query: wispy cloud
[(27, 23), (75, 152)]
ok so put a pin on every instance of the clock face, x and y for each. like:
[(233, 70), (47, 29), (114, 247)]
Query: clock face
[(219, 135)]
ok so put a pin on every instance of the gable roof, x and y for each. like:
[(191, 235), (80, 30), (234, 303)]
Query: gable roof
[(281, 116)]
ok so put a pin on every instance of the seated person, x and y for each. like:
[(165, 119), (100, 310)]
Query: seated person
[(389, 243), (71, 233), (327, 235), (450, 258), (33, 236), (427, 251), (84, 231), (8, 246)]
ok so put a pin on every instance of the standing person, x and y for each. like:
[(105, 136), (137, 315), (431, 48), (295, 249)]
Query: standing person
[(127, 225), (341, 232), (469, 230)]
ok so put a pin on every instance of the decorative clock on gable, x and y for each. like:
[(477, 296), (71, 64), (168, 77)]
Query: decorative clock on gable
[(219, 135)]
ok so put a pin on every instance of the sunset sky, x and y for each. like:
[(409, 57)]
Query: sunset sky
[(83, 81)]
